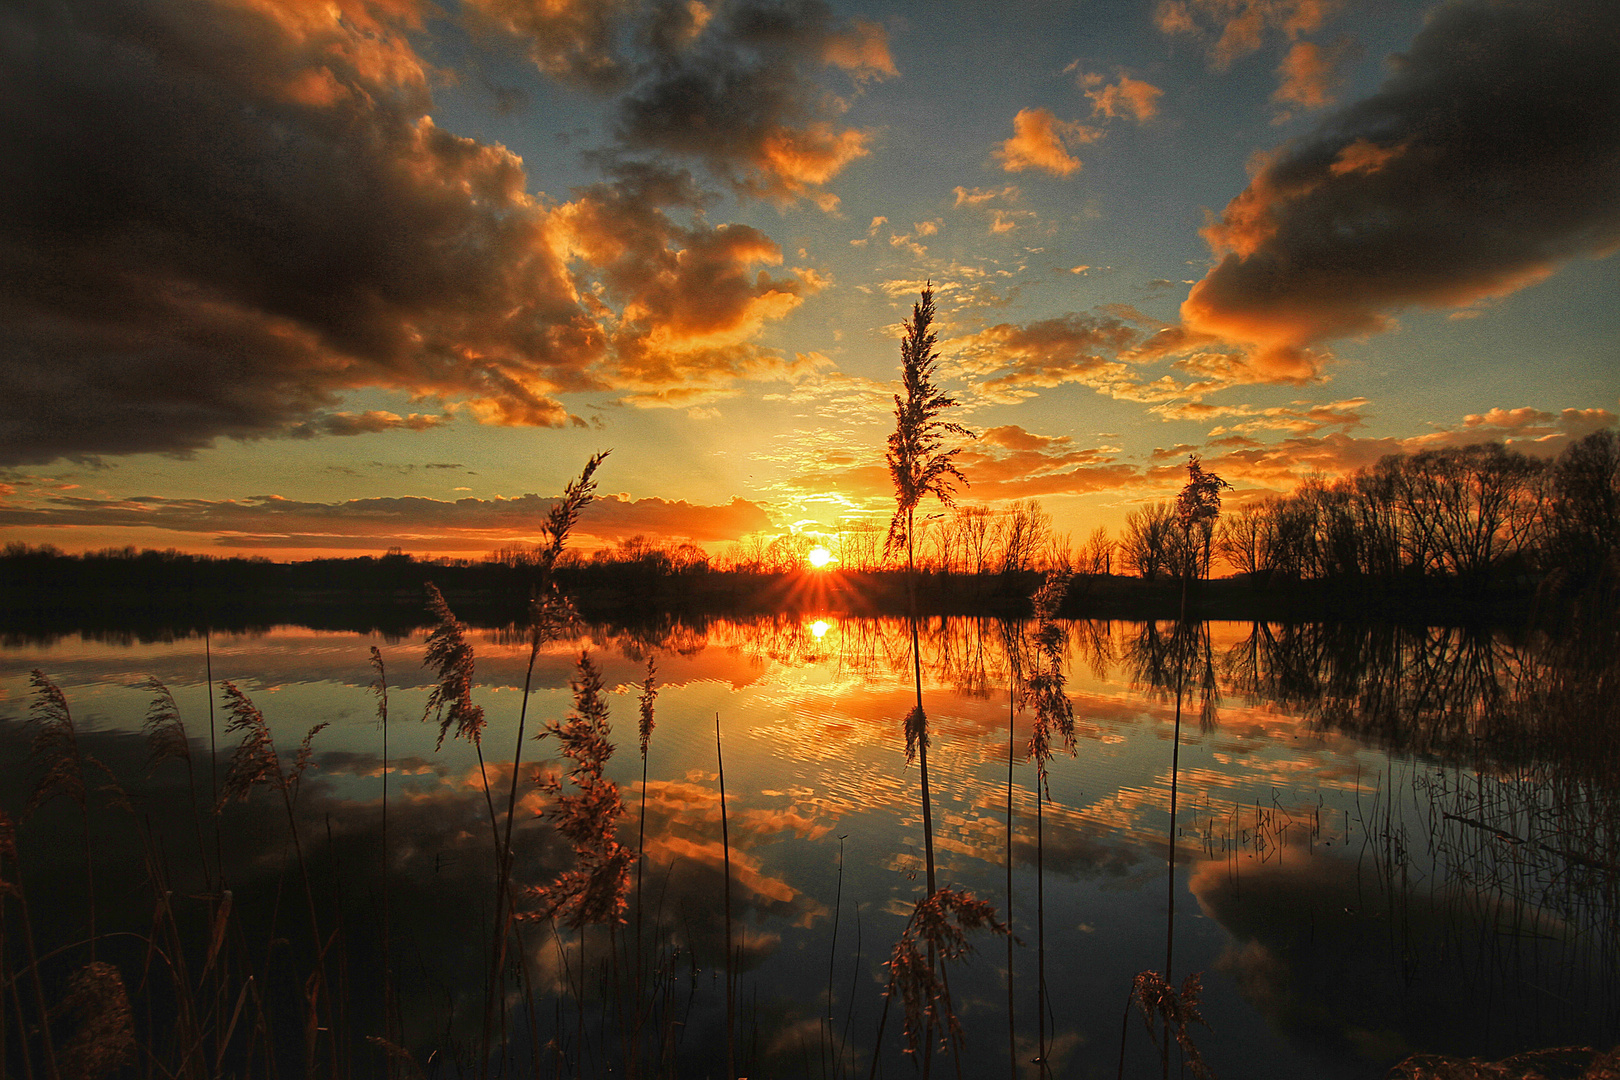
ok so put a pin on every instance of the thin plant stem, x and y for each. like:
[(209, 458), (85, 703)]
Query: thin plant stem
[(832, 955), (922, 736), (213, 753), (725, 842), (387, 938), (1040, 926), (1012, 1025)]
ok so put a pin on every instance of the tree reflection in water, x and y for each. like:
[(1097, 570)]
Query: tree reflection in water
[(1398, 838)]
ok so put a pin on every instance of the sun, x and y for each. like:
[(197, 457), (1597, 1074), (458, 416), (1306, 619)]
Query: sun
[(818, 557)]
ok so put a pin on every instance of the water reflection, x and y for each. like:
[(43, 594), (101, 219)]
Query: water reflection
[(1397, 839)]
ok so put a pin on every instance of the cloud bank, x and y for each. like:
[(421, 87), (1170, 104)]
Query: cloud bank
[(1490, 156), (270, 521), (220, 218)]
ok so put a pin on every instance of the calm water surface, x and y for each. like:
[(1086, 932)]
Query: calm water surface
[(1366, 865)]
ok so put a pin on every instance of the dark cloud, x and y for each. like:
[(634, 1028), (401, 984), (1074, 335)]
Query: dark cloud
[(219, 219), (1490, 155), (1311, 947), (421, 524), (738, 93), (573, 41), (733, 85)]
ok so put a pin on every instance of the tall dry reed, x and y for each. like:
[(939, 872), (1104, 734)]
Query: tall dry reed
[(920, 464), (1054, 717)]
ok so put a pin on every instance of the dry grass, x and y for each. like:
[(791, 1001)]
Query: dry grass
[(1161, 1003), (593, 890), (936, 934)]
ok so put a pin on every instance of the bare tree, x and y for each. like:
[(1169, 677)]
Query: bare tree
[(978, 538), (860, 546), (1097, 558), (1472, 506), (1583, 534), (1145, 549), (1023, 531)]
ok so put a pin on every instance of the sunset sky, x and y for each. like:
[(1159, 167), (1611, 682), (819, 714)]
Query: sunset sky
[(316, 277)]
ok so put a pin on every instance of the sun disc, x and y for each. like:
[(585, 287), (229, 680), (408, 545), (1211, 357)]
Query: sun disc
[(818, 557)]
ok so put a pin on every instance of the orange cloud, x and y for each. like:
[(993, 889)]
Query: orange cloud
[(1008, 462), (1298, 419), (980, 196), (1236, 28), (1039, 142), (1281, 466), (366, 423), (1016, 359), (863, 49), (1309, 74), (576, 40), (1128, 97), (1364, 156)]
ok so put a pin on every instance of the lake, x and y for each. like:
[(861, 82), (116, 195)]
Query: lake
[(1387, 840)]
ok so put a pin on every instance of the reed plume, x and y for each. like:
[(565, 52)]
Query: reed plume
[(165, 732), (255, 761), (56, 742), (593, 890), (1054, 714), (104, 1024), (379, 686), (450, 655), (166, 740), (920, 465), (918, 462), (649, 692), (935, 934), (1158, 1000)]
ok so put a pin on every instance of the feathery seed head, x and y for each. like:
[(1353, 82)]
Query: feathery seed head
[(165, 732), (918, 464), (449, 653), (648, 693)]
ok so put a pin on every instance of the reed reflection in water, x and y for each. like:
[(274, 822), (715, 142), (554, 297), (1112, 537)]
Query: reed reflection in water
[(1393, 839)]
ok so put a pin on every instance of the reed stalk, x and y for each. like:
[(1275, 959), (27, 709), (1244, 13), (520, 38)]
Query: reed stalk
[(380, 688), (648, 693), (725, 843), (1012, 1022), (920, 465), (213, 752)]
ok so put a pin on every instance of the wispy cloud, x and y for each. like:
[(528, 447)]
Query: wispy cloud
[(1233, 29), (417, 524)]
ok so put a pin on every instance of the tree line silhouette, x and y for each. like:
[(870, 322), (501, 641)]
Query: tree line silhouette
[(1481, 520)]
